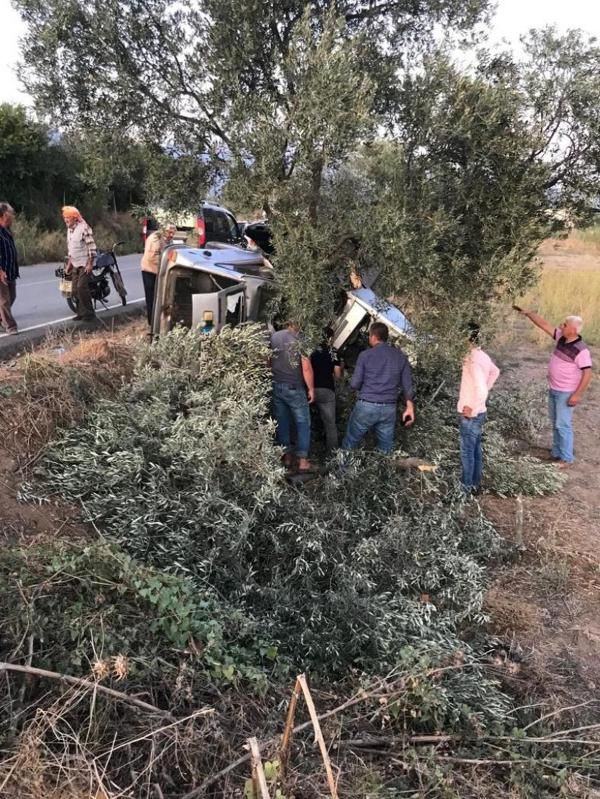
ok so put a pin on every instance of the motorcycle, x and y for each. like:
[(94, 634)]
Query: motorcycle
[(105, 266)]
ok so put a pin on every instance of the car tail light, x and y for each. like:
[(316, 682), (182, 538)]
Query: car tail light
[(201, 228), (144, 229)]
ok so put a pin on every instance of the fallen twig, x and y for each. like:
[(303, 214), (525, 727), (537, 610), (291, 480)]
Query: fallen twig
[(91, 684), (362, 696), (318, 735), (286, 740), (259, 781)]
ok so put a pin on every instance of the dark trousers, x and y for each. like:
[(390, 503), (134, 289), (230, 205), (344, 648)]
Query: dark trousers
[(8, 295), (149, 279), (81, 292), (325, 404)]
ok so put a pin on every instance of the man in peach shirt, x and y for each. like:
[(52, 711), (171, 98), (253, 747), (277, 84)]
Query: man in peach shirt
[(155, 244), (479, 373)]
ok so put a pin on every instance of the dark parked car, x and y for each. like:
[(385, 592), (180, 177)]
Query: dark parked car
[(260, 234), (211, 223)]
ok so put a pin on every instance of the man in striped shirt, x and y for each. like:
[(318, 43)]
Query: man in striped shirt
[(9, 269), (81, 249), (569, 375)]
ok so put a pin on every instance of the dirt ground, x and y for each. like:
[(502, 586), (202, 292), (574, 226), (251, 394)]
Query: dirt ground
[(570, 253), (24, 429), (547, 602)]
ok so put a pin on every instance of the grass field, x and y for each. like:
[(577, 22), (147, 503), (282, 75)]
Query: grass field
[(589, 235), (569, 282), (561, 293)]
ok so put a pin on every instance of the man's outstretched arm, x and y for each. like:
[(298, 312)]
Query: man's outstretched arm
[(537, 320)]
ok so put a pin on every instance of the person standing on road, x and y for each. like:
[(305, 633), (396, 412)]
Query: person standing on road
[(293, 378), (380, 373), (9, 269), (327, 367), (155, 244), (569, 375), (479, 373), (81, 250)]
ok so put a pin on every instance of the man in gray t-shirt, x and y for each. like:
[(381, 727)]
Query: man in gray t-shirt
[(292, 379)]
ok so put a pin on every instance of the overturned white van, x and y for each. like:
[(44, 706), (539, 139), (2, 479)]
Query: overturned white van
[(221, 285)]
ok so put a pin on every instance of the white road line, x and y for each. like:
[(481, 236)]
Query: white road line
[(25, 284), (69, 318)]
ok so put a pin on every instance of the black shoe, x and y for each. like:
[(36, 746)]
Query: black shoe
[(77, 318), (88, 317)]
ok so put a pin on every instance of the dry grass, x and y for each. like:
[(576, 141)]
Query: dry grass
[(590, 235), (53, 386), (563, 292)]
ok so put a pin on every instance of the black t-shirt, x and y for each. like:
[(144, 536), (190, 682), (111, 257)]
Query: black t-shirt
[(323, 362)]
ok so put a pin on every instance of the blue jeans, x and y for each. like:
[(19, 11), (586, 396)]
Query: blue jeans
[(367, 416), (471, 431), (291, 403), (561, 416)]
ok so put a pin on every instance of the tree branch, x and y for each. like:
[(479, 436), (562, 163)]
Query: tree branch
[(91, 684)]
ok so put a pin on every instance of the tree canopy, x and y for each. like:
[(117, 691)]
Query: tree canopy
[(347, 122)]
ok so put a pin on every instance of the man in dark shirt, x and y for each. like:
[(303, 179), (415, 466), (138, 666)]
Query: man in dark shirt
[(326, 368), (9, 269), (379, 375), (293, 390)]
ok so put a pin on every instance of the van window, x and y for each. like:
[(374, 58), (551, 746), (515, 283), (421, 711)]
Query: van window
[(209, 223), (234, 233)]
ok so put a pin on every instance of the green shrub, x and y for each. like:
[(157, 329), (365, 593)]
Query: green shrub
[(38, 245), (191, 482), (85, 602)]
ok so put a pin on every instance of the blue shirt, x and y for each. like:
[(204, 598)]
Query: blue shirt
[(8, 254), (380, 373)]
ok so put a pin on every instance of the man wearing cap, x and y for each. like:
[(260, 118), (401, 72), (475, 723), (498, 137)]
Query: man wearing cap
[(155, 244), (81, 249)]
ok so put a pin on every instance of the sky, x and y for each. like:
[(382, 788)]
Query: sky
[(513, 18)]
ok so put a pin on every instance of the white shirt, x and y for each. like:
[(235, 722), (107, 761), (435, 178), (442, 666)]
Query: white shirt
[(80, 244), (479, 373)]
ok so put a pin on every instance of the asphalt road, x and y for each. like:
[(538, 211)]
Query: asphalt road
[(39, 301)]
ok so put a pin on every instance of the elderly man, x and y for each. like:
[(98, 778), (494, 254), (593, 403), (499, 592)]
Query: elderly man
[(155, 244), (9, 269), (380, 373), (293, 390), (81, 250), (569, 375)]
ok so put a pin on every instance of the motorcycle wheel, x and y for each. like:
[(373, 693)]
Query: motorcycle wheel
[(72, 303), (119, 287)]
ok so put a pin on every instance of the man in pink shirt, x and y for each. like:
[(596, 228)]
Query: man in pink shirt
[(569, 375), (479, 373)]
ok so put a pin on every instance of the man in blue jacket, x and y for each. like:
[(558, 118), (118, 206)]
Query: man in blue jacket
[(381, 372)]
